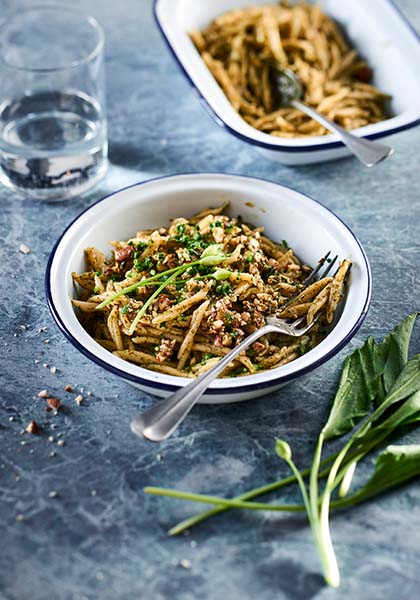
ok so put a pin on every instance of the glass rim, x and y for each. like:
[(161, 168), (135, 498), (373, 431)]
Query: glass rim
[(97, 49)]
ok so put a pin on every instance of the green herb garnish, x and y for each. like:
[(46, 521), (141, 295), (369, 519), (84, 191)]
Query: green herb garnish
[(214, 224), (377, 398), (206, 357), (223, 289)]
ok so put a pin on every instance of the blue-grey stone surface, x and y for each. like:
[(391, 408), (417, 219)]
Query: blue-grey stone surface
[(75, 523)]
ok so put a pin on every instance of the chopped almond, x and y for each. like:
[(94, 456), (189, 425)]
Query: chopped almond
[(55, 403), (32, 427)]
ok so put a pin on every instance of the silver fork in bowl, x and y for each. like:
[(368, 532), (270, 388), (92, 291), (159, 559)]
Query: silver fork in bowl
[(160, 421)]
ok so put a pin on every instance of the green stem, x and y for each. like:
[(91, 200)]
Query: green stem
[(322, 528), (260, 491), (321, 534), (331, 571), (134, 286), (302, 487), (359, 453), (150, 300), (211, 257), (223, 502), (225, 505), (348, 473)]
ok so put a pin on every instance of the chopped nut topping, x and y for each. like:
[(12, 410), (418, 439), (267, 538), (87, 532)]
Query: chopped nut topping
[(122, 254), (24, 249), (68, 388), (43, 394), (165, 350), (79, 399), (60, 443), (32, 427), (55, 403)]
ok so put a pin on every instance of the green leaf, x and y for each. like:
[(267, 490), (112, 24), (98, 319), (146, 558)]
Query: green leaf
[(406, 384), (394, 466), (406, 414), (357, 389), (361, 379), (394, 350)]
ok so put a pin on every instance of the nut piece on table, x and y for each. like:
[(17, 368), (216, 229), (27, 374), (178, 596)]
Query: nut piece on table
[(32, 427), (54, 403)]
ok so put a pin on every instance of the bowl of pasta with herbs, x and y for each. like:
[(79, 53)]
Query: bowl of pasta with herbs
[(159, 281)]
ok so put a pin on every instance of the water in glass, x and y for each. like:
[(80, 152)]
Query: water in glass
[(52, 140)]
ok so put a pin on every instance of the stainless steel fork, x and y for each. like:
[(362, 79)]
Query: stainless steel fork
[(160, 421)]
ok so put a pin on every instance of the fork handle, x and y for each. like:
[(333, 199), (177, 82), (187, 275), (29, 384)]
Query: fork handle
[(368, 152), (160, 421)]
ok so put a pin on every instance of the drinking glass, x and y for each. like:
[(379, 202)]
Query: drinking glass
[(53, 138)]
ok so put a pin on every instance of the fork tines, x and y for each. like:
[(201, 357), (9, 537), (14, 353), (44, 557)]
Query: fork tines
[(312, 275)]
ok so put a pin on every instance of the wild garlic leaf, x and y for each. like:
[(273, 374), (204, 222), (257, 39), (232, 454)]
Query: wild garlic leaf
[(394, 350), (357, 389), (406, 414), (394, 466), (406, 384)]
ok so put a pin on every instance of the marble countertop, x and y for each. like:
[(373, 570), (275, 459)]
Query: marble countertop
[(75, 521)]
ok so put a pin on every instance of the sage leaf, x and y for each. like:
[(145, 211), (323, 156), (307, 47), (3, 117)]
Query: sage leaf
[(359, 385)]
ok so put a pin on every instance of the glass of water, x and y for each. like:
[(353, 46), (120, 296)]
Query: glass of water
[(53, 140)]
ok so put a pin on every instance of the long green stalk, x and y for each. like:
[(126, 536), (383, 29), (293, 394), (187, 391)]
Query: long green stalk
[(321, 533), (223, 502), (134, 286), (254, 493), (150, 300)]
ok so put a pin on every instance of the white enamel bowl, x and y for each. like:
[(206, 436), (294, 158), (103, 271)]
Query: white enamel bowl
[(376, 28), (309, 227)]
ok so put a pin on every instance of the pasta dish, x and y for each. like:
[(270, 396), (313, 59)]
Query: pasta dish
[(242, 48), (176, 299)]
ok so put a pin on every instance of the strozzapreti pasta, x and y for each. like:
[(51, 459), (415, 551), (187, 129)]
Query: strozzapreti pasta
[(242, 47)]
